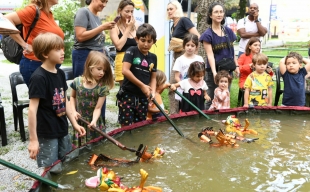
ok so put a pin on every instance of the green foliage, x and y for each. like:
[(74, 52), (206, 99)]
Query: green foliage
[(242, 9), (24, 4), (64, 12), (111, 17)]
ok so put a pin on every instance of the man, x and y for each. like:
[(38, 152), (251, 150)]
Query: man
[(250, 26)]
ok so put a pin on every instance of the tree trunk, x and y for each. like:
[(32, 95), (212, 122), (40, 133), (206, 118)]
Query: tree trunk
[(82, 3), (202, 20), (242, 9)]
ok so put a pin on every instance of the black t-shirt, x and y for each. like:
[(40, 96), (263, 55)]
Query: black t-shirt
[(141, 66), (181, 29), (51, 115)]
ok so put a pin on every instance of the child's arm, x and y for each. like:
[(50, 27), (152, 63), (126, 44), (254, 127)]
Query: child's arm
[(146, 89), (164, 87), (269, 96), (221, 94), (307, 64), (73, 121), (174, 86), (153, 85), (282, 66), (246, 97), (72, 103), (206, 96), (177, 76), (97, 112), (33, 146)]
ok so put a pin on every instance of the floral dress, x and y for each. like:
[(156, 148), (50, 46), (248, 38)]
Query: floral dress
[(86, 100)]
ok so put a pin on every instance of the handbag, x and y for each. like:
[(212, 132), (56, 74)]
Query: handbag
[(227, 64), (12, 51), (176, 45)]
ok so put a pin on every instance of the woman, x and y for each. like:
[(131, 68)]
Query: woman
[(123, 36), (181, 26), (88, 33), (216, 45), (46, 23), (245, 59), (88, 36)]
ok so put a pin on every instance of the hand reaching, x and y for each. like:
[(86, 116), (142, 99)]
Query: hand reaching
[(33, 149), (108, 25)]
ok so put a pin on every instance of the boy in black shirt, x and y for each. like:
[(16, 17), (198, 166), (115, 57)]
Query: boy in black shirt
[(47, 122), (139, 70)]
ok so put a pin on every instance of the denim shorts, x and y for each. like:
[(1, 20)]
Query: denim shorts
[(53, 149)]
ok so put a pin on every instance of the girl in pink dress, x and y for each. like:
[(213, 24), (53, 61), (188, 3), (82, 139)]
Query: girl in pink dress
[(221, 93)]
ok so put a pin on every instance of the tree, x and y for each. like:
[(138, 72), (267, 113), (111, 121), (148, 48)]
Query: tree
[(82, 3), (64, 12), (242, 9), (201, 20)]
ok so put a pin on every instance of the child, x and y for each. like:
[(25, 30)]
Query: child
[(258, 85), (221, 93), (180, 68), (195, 88), (139, 70), (89, 92), (153, 112), (47, 122), (294, 79), (245, 60)]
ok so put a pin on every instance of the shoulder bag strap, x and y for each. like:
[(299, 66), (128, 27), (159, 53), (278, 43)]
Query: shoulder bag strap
[(34, 22), (228, 40)]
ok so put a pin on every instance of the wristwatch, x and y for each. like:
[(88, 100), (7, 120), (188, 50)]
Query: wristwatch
[(256, 21)]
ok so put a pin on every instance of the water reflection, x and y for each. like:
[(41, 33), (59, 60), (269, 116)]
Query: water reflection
[(278, 161)]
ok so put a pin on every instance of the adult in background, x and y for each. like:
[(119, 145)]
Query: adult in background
[(216, 45), (250, 26), (88, 35), (123, 35), (46, 23), (181, 26)]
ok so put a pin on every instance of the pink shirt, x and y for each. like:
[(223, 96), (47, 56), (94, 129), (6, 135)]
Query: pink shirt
[(221, 99)]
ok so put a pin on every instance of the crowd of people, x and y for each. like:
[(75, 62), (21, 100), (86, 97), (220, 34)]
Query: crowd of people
[(205, 84)]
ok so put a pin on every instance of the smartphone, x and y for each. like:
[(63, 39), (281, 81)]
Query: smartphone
[(117, 18), (270, 64)]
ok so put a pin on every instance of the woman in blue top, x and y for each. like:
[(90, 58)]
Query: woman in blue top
[(216, 45)]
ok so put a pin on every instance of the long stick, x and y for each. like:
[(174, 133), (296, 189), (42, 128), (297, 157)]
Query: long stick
[(170, 121), (188, 101), (114, 141), (32, 175)]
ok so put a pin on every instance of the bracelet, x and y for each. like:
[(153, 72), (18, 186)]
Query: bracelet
[(256, 21), (237, 66)]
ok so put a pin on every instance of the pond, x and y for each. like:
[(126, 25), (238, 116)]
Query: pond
[(278, 161)]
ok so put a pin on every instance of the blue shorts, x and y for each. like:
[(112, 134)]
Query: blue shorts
[(51, 150), (132, 109)]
